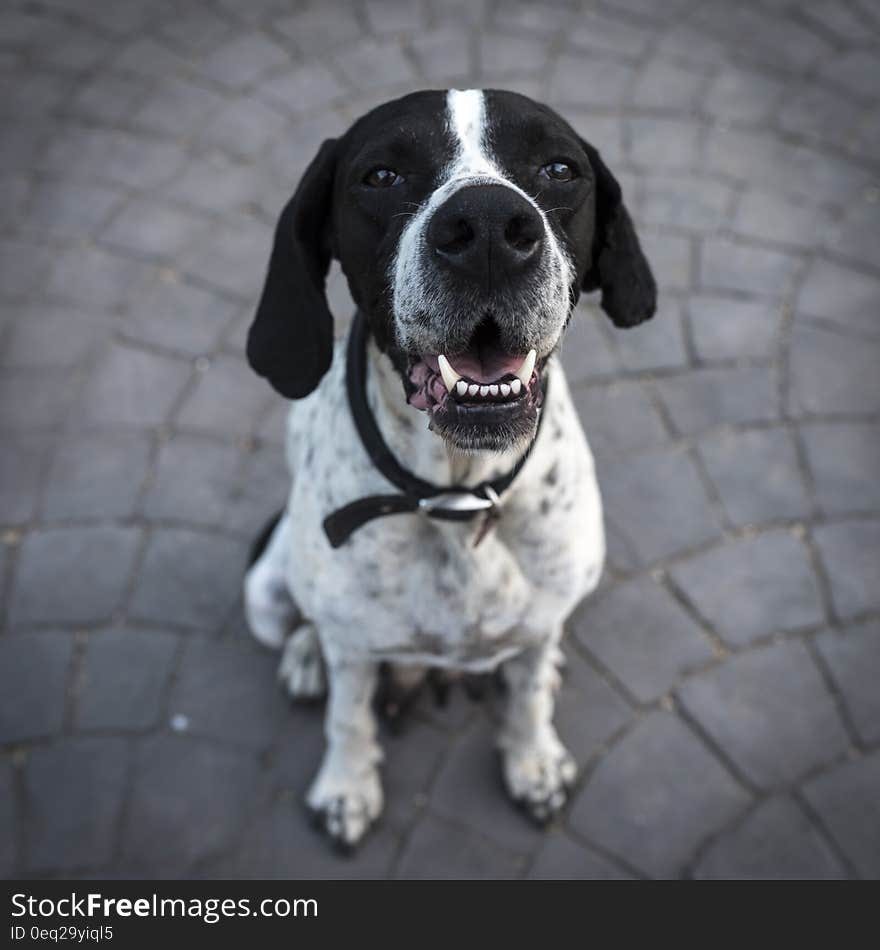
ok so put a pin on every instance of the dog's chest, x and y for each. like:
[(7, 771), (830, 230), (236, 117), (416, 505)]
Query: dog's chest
[(408, 589)]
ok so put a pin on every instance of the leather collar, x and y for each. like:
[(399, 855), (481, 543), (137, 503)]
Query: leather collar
[(446, 503)]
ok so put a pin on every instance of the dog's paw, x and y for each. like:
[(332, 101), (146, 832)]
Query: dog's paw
[(345, 810), (538, 778), (301, 670)]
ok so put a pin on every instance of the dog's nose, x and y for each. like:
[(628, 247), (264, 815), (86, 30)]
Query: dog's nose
[(486, 232)]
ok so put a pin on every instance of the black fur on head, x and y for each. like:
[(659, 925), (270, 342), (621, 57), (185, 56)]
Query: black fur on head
[(619, 267), (290, 341), (338, 212)]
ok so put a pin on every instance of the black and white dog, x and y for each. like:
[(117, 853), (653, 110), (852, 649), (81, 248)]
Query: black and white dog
[(467, 223)]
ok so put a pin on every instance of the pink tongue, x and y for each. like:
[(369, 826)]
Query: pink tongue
[(487, 369)]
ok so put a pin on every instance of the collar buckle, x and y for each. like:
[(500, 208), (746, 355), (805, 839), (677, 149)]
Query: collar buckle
[(460, 501)]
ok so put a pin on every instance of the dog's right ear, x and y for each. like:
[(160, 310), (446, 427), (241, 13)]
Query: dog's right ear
[(290, 341)]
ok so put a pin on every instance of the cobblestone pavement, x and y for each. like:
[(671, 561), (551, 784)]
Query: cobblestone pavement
[(722, 693)]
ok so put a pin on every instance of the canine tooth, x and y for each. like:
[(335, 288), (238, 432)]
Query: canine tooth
[(473, 389), (528, 365), (493, 390), (461, 387), (484, 390), (505, 389), (515, 387), (450, 377)]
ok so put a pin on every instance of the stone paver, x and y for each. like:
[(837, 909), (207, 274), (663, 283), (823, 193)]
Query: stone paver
[(853, 657), (846, 800), (743, 586), (776, 840), (636, 805), (770, 712), (721, 691)]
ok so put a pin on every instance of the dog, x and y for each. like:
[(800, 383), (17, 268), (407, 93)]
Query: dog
[(467, 222)]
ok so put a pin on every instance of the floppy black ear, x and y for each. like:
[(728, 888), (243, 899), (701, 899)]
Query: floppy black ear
[(290, 341), (618, 266)]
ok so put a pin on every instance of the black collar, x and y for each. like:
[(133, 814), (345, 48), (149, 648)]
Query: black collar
[(450, 503)]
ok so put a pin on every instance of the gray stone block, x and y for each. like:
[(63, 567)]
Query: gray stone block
[(588, 711), (190, 801), (840, 295), (21, 464), (34, 399), (849, 553), (844, 460), (123, 680), (72, 575), (768, 709), (189, 578), (756, 475), (584, 351), (96, 476), (439, 850), (711, 397), (847, 802), (229, 693), (753, 586), (561, 859), (818, 386), (8, 824), (619, 418), (193, 481), (656, 502), (853, 656), (74, 792), (133, 388), (732, 265), (636, 805), (642, 635), (468, 789), (227, 399), (775, 841), (725, 329), (33, 684)]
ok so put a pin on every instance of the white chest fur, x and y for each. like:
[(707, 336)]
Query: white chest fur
[(408, 589)]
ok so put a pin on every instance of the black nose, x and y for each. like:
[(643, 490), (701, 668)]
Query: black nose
[(487, 232)]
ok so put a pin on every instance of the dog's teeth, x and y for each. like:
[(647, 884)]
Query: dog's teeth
[(528, 365), (450, 377), (473, 389), (461, 387), (505, 389), (515, 387), (484, 390), (493, 390)]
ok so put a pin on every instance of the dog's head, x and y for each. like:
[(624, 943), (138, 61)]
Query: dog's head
[(466, 223)]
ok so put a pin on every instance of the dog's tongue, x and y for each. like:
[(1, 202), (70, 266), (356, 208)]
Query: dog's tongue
[(485, 366)]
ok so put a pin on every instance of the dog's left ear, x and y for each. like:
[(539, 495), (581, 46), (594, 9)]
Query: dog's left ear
[(618, 266), (290, 341)]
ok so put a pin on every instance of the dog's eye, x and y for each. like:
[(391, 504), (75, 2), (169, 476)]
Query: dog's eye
[(383, 178), (558, 171)]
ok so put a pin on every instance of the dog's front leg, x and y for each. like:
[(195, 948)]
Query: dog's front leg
[(537, 768), (346, 795)]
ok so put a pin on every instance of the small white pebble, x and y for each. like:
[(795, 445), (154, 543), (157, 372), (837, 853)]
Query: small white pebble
[(179, 722)]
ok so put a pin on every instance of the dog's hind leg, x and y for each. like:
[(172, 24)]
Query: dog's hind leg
[(537, 768), (269, 609), (302, 671)]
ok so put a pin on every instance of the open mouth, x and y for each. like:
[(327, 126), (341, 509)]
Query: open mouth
[(482, 388)]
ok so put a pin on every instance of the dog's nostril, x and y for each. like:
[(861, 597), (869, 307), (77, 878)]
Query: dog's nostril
[(520, 233), (457, 237)]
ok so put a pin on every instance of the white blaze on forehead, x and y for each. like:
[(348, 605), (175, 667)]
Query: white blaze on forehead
[(471, 164), (467, 122)]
